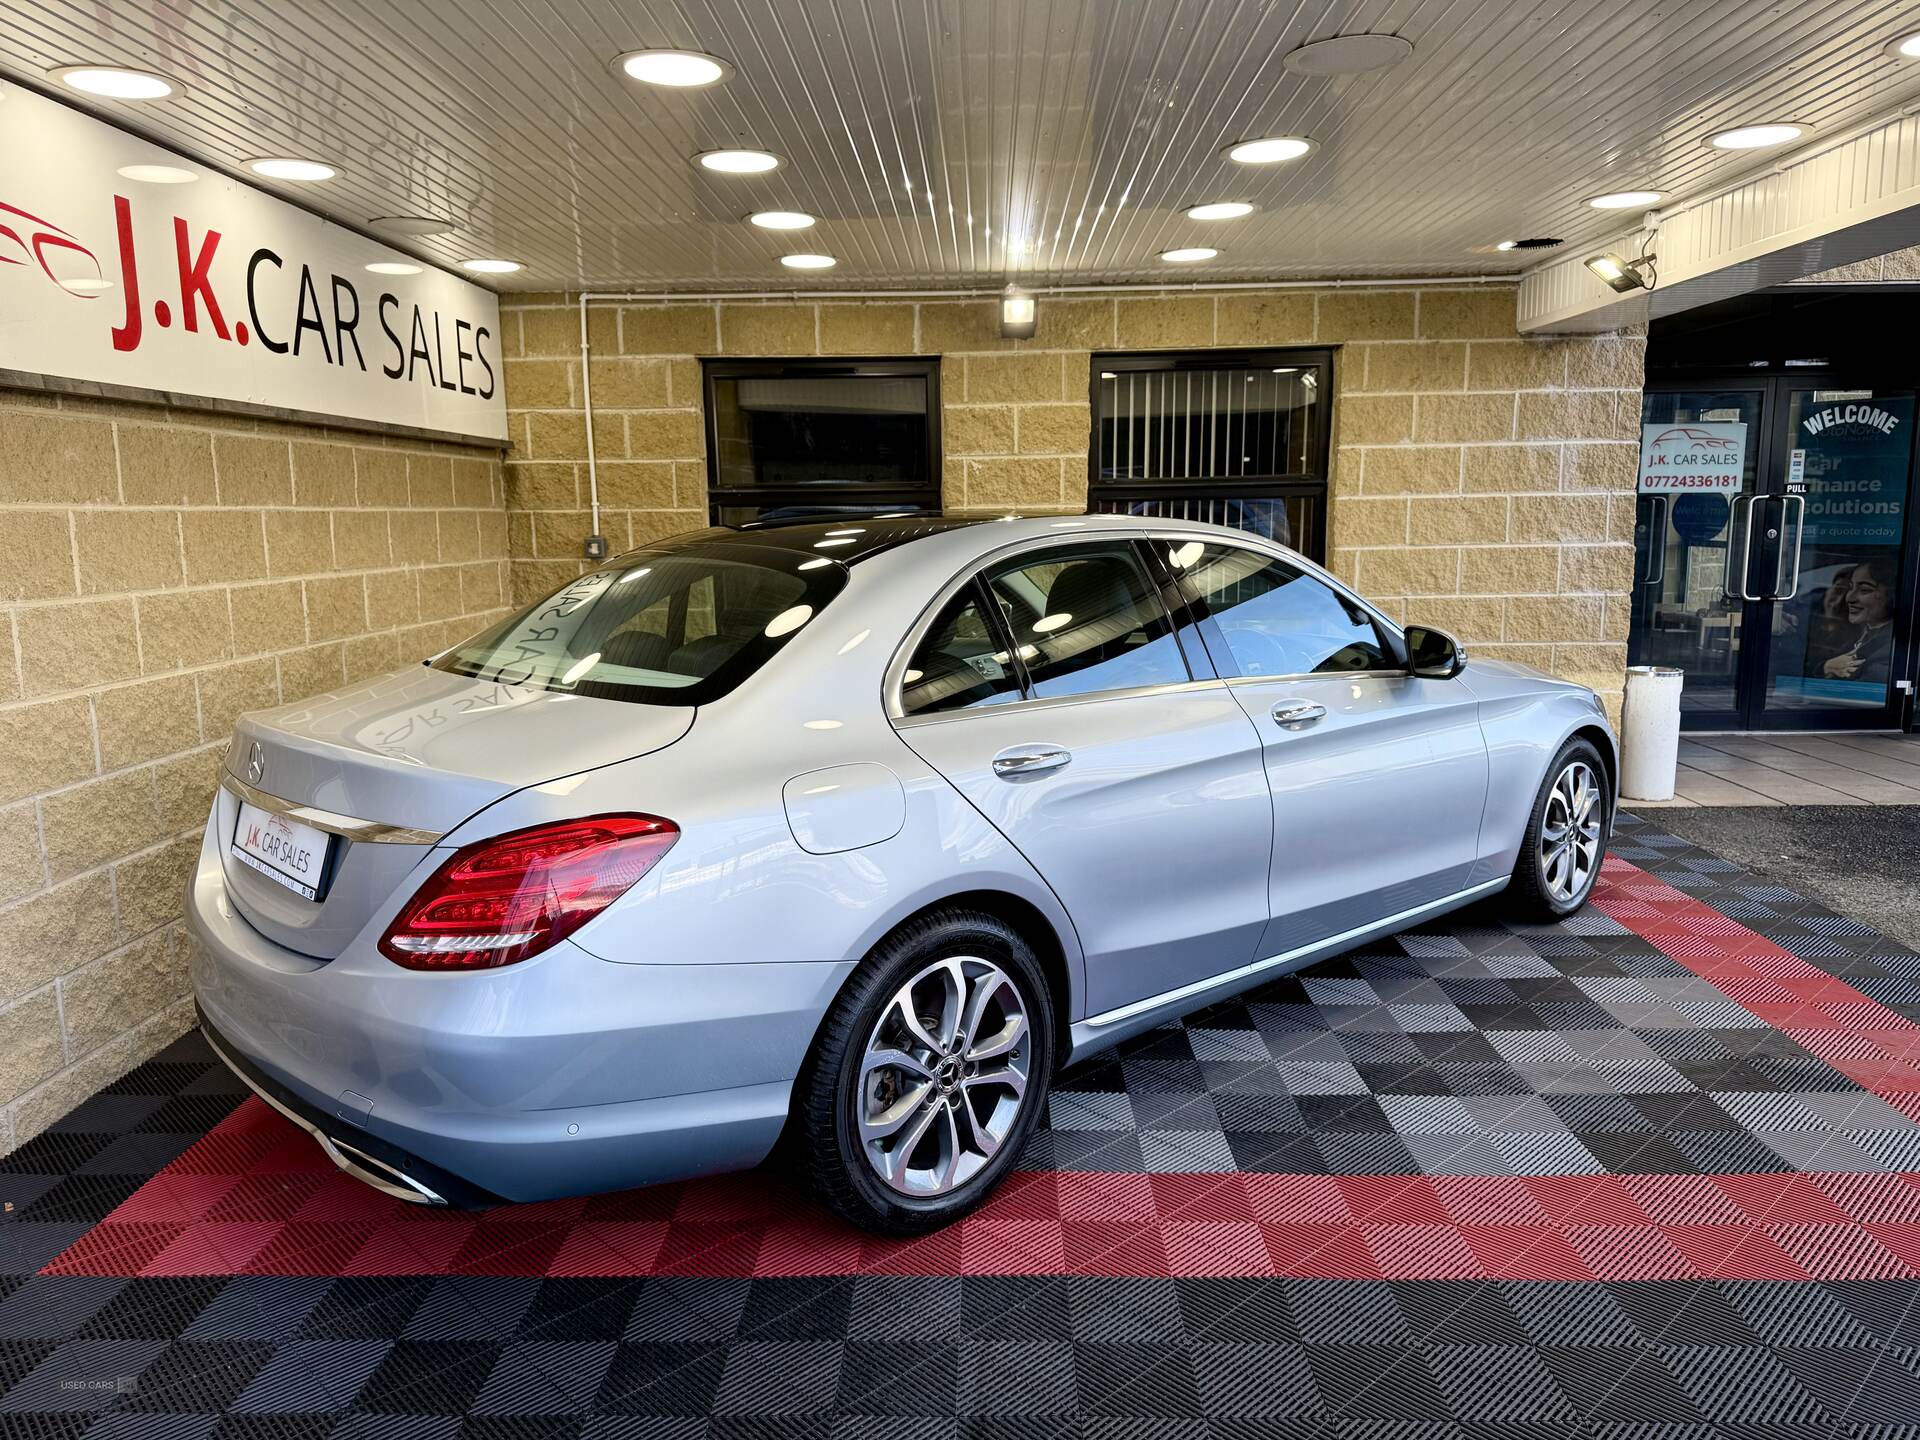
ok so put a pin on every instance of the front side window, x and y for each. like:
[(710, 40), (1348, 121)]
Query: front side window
[(1274, 618), (675, 624), (1086, 619)]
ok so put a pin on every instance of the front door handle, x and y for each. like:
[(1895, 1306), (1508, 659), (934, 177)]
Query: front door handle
[(1297, 712), (1020, 760)]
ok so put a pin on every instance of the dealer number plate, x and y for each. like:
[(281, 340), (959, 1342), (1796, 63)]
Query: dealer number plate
[(283, 850)]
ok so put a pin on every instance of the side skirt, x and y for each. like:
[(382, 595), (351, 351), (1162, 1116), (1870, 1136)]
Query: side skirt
[(1097, 1032)]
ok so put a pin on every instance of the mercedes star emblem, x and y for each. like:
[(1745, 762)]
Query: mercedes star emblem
[(256, 763)]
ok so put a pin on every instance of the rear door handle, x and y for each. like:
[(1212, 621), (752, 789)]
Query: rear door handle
[(1019, 760), (1297, 712)]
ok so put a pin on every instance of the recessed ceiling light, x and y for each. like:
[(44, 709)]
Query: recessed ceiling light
[(411, 224), (110, 82), (808, 262), (158, 174), (1270, 151), (673, 69), (739, 162), (782, 219), (490, 267), (286, 167), (1220, 210), (1625, 199), (1906, 47), (1756, 137), (1188, 254), (1348, 55), (392, 267), (1506, 244)]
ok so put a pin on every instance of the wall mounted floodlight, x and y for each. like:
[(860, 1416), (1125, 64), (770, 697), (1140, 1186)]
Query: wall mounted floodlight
[(1019, 315), (1621, 274)]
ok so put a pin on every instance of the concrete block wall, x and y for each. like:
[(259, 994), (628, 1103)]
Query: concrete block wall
[(1480, 481), (160, 572)]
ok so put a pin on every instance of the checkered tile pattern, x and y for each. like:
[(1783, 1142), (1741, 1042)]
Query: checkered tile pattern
[(1346, 1204)]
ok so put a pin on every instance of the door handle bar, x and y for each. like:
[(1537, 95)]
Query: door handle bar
[(1740, 523), (1660, 506), (1298, 712), (1799, 532), (1030, 760)]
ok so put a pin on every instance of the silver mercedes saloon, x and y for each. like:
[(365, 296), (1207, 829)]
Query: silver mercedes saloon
[(842, 838)]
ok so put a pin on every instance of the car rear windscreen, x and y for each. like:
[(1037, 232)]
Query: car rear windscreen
[(668, 625)]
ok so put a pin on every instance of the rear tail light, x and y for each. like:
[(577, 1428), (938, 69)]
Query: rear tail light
[(502, 900)]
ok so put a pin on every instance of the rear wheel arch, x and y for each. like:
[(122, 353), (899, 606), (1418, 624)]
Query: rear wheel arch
[(1020, 915)]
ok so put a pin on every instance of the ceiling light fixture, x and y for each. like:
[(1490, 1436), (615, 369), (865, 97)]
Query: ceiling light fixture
[(111, 82), (417, 225), (1188, 254), (157, 174), (673, 69), (288, 167), (1019, 314), (1756, 137), (738, 162), (1269, 151), (1621, 274), (1625, 199), (1905, 47), (490, 267), (1506, 245), (392, 267), (808, 262), (1220, 210), (782, 219), (1348, 55)]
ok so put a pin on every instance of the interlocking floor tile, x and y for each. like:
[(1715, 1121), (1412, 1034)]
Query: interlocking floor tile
[(1651, 1171)]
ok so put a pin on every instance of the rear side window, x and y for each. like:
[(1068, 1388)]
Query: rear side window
[(1086, 619), (670, 625), (1274, 618), (960, 664)]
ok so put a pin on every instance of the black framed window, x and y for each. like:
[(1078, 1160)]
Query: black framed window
[(787, 438), (1230, 437)]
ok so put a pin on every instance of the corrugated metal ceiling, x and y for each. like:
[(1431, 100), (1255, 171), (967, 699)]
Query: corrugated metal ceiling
[(960, 142)]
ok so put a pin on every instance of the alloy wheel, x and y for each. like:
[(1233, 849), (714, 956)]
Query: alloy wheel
[(943, 1076), (1570, 834)]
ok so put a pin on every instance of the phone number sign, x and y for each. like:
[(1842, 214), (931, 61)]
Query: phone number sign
[(1705, 457)]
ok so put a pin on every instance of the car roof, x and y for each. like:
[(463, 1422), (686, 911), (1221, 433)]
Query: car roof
[(849, 538)]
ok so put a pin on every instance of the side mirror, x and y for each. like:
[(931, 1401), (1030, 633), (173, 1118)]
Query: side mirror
[(1434, 654)]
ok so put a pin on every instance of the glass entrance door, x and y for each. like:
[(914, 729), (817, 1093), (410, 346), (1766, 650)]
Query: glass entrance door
[(1834, 567), (1700, 472), (1773, 556)]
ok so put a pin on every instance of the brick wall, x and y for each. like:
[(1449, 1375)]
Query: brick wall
[(160, 572), (1481, 482)]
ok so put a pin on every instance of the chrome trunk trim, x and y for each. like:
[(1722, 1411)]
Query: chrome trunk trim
[(376, 832)]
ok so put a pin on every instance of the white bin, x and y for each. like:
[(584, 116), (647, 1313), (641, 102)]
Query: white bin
[(1650, 725)]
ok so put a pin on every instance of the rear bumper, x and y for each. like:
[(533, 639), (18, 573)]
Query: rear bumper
[(563, 1075)]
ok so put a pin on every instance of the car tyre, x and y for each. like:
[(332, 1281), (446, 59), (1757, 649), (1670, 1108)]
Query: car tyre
[(1566, 837), (928, 1074)]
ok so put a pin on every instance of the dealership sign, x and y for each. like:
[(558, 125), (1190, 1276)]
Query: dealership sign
[(215, 290), (1705, 457)]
